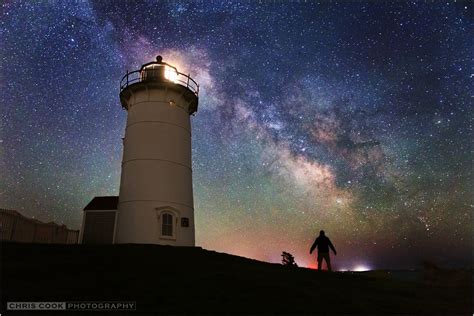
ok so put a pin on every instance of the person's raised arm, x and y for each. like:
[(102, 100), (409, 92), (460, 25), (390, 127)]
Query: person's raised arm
[(315, 244), (332, 247)]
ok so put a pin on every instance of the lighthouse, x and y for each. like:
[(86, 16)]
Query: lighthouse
[(155, 203)]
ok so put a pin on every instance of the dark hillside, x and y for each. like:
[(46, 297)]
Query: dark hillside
[(192, 280)]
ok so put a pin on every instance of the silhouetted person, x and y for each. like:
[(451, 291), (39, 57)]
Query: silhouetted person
[(323, 243)]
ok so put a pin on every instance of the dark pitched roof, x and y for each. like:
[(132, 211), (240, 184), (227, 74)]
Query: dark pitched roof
[(103, 203)]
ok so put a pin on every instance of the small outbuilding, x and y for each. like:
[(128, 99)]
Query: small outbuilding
[(100, 220)]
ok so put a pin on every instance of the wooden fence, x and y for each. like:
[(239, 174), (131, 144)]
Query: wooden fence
[(16, 227)]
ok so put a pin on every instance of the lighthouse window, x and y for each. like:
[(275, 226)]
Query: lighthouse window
[(171, 74), (167, 225)]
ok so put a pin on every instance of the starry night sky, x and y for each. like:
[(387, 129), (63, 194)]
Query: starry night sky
[(350, 117)]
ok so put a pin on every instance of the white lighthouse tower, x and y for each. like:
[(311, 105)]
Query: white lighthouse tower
[(155, 204)]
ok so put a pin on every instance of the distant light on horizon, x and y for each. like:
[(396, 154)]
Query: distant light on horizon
[(357, 268), (361, 268)]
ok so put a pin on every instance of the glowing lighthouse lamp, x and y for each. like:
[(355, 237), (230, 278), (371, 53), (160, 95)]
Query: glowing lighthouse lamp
[(155, 204)]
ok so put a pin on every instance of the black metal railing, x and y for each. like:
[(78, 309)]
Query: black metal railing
[(140, 75)]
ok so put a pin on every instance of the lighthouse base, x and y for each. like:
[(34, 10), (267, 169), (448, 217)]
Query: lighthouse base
[(106, 221), (152, 222)]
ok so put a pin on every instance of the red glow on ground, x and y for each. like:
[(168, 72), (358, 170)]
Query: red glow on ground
[(313, 266)]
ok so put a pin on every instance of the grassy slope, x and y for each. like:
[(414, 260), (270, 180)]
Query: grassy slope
[(185, 280)]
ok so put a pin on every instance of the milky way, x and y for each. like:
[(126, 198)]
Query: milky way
[(348, 117)]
